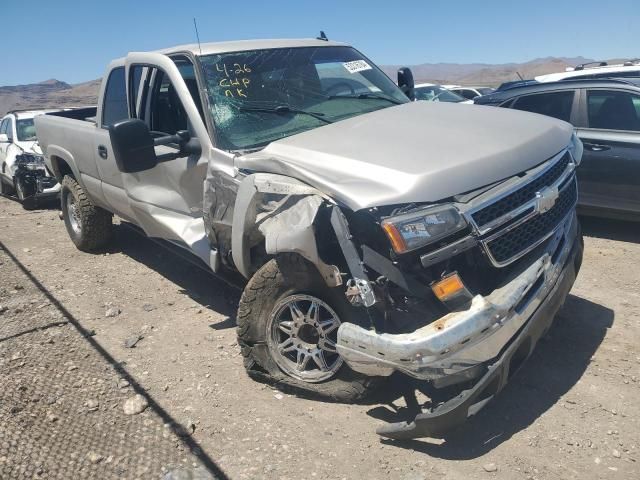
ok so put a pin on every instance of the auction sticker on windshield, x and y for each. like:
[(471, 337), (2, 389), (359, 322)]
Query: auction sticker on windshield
[(357, 66)]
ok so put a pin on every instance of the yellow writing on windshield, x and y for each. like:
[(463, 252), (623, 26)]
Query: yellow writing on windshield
[(234, 82)]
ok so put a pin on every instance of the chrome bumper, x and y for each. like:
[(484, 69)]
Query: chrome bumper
[(459, 341)]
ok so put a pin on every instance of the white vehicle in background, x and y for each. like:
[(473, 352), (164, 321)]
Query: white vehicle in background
[(437, 93), (22, 168), (630, 68), (469, 92)]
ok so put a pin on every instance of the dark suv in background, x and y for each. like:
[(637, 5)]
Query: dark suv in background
[(606, 114)]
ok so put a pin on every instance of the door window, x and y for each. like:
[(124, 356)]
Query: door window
[(115, 99), (162, 110), (9, 129), (553, 104), (613, 110), (5, 127), (468, 94)]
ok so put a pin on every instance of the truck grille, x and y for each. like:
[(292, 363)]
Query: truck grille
[(523, 195), (534, 231)]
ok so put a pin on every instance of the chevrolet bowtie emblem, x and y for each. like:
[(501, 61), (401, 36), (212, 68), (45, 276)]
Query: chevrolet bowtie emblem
[(546, 199)]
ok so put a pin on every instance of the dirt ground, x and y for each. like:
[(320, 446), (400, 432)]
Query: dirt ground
[(572, 412)]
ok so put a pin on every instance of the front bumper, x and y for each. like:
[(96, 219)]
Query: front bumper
[(460, 341), (484, 341)]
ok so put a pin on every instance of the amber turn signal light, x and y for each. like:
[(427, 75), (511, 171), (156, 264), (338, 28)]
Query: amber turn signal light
[(397, 242), (448, 287)]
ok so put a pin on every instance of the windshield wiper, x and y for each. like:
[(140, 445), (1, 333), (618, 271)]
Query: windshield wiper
[(367, 95), (280, 109)]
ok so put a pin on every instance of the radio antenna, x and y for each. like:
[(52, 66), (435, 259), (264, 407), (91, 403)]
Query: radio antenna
[(195, 25)]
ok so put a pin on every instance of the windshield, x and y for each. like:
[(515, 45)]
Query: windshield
[(435, 93), (485, 90), (259, 96), (26, 130)]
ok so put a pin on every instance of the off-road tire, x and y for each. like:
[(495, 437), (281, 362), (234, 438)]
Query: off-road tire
[(96, 227), (282, 276)]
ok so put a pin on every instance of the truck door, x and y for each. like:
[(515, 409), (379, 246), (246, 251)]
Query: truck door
[(113, 109), (610, 170), (166, 200)]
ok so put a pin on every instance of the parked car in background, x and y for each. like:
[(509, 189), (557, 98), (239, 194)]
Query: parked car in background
[(469, 92), (436, 93), (606, 115), (22, 168), (628, 69)]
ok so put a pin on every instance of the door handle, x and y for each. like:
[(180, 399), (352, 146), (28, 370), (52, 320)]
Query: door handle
[(595, 147), (102, 151)]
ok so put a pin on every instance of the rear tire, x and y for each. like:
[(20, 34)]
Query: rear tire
[(290, 278), (90, 227)]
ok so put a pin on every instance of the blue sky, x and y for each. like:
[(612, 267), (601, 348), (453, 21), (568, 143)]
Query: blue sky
[(73, 40)]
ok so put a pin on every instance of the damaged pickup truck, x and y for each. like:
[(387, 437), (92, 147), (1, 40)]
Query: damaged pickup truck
[(377, 236)]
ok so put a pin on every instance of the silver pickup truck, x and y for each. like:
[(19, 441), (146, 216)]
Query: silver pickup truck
[(428, 242)]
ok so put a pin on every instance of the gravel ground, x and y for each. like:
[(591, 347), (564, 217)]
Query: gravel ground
[(76, 327)]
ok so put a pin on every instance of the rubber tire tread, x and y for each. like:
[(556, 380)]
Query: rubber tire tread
[(96, 226), (283, 275)]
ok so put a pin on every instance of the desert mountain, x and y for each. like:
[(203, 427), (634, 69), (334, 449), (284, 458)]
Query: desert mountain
[(50, 93), (485, 74), (54, 93)]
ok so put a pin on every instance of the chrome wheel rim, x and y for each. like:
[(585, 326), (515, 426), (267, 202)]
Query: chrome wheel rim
[(302, 335), (73, 214)]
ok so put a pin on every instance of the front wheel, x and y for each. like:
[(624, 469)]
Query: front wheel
[(5, 188), (288, 322), (90, 227), (27, 199)]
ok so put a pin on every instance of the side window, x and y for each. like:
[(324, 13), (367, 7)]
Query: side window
[(167, 113), (156, 101), (115, 99), (139, 83), (468, 94), (9, 129), (554, 104), (3, 125), (613, 110)]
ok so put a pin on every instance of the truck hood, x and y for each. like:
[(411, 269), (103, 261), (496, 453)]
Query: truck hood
[(415, 152), (30, 146)]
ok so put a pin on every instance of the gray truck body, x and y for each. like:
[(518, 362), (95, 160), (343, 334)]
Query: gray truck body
[(226, 206)]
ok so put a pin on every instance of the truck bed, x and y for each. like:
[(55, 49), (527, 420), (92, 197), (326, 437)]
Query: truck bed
[(70, 137), (87, 114)]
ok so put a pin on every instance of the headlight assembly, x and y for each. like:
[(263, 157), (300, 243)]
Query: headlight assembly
[(30, 161), (416, 229)]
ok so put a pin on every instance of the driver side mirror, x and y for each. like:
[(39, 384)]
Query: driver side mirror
[(132, 146), (406, 83), (4, 138)]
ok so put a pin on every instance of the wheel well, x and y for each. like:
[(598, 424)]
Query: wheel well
[(60, 168)]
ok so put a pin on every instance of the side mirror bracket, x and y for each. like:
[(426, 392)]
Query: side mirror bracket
[(188, 145), (133, 146)]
